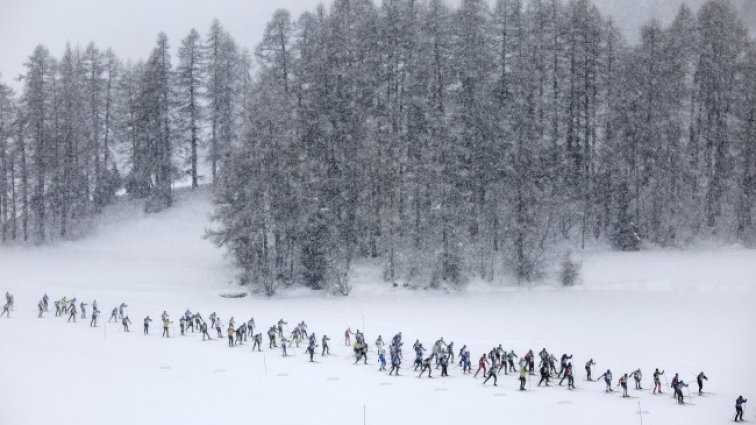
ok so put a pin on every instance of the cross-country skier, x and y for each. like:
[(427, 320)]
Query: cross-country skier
[(281, 324), (348, 337), (203, 329), (166, 323), (303, 328), (396, 361), (464, 358), (699, 379), (360, 351), (568, 376), (95, 316), (272, 337), (588, 369), (444, 362), (426, 365), (450, 352), (230, 331), (219, 327), (673, 384), (563, 363), (45, 301), (438, 348), (530, 359), (544, 373), (679, 384), (657, 381), (41, 307), (121, 310), (72, 313), (182, 325), (114, 315), (493, 373), (623, 384), (608, 380), (637, 375), (379, 343), (523, 375), (9, 299), (324, 343), (482, 363), (240, 332), (311, 346), (381, 358), (510, 359), (419, 350), (126, 322), (147, 321), (739, 408), (257, 342), (83, 307), (251, 327), (164, 316)]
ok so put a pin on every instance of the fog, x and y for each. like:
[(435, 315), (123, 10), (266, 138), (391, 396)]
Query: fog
[(130, 27)]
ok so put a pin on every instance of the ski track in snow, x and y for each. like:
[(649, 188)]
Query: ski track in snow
[(679, 311)]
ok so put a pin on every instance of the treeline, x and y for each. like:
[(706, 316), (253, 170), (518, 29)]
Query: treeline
[(465, 143), (445, 143), (87, 125)]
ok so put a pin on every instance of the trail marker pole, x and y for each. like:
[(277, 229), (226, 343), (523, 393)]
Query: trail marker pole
[(364, 415), (641, 412)]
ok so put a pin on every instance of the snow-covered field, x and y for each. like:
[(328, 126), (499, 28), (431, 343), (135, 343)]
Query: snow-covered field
[(679, 311)]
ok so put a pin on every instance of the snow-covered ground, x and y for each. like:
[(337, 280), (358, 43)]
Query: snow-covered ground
[(679, 311)]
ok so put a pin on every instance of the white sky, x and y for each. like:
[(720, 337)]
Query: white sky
[(130, 27)]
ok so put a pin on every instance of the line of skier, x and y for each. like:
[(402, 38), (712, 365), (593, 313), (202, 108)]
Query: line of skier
[(441, 356)]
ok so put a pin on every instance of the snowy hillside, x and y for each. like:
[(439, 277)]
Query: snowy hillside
[(683, 312)]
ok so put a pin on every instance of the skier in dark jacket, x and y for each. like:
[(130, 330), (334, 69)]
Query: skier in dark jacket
[(257, 342), (114, 315), (203, 330), (72, 313), (396, 361), (623, 383), (544, 373), (182, 325), (493, 373), (563, 364), (739, 408), (419, 350), (444, 365), (311, 346), (657, 380), (588, 369), (426, 365), (147, 321), (608, 380), (272, 337), (324, 342), (125, 322), (699, 379), (95, 316), (510, 359)]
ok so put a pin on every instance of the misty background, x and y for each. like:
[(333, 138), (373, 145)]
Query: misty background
[(130, 27)]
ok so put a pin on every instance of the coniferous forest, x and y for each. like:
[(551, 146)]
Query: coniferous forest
[(446, 143)]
